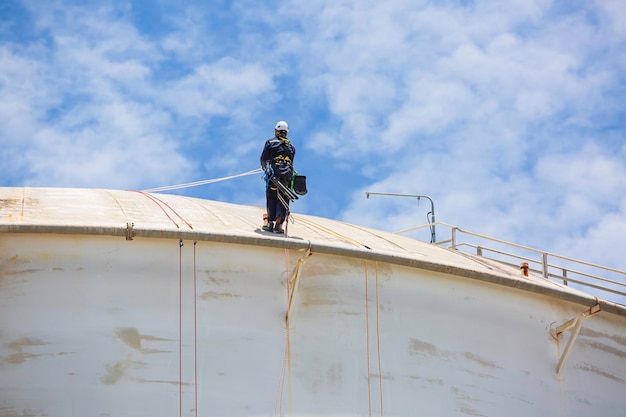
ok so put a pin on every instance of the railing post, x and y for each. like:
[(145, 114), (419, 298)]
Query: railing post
[(564, 276), (453, 237), (479, 251), (544, 264)]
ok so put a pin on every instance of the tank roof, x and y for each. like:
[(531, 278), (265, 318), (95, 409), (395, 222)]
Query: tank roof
[(136, 214)]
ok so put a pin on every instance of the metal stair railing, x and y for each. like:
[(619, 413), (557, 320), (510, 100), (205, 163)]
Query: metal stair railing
[(605, 282)]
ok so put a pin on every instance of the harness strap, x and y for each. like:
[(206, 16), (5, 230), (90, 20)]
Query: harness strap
[(268, 174), (293, 177)]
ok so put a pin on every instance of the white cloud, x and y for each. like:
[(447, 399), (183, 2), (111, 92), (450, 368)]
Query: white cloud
[(602, 242), (217, 88), (68, 120), (614, 14), (428, 68)]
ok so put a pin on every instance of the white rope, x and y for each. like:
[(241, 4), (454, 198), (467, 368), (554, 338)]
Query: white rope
[(203, 182)]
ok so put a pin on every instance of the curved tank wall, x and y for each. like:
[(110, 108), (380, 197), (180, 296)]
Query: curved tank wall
[(188, 318)]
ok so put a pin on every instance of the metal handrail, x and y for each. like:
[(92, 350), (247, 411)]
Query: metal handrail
[(569, 274), (566, 278)]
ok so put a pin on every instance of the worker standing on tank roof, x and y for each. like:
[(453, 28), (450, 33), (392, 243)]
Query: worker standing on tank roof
[(277, 161)]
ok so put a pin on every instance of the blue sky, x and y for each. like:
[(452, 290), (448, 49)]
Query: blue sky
[(510, 115)]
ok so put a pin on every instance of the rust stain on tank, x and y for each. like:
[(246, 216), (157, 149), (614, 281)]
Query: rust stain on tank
[(597, 371), (419, 347), (10, 206), (481, 361), (335, 374), (471, 412), (386, 377), (18, 347), (606, 348), (478, 374), (435, 381), (22, 272), (318, 296), (316, 269), (217, 281), (21, 357), (350, 313), (15, 266), (132, 338), (213, 295), (621, 340), (584, 401), (431, 381), (12, 412), (117, 371), (460, 394)]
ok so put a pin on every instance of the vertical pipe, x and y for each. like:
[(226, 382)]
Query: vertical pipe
[(433, 238)]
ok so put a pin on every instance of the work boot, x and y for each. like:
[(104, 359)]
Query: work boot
[(268, 227), (279, 228)]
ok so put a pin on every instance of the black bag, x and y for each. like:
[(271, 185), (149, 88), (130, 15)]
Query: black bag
[(299, 184)]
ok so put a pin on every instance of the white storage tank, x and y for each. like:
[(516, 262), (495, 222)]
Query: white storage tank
[(121, 303)]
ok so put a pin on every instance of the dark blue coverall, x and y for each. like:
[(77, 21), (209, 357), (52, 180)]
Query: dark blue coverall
[(278, 154)]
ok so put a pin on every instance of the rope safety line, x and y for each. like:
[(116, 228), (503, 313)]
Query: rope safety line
[(367, 335), (195, 330), (282, 200), (180, 327), (380, 371), (202, 182), (287, 337), (278, 407), (295, 280), (339, 236), (367, 339)]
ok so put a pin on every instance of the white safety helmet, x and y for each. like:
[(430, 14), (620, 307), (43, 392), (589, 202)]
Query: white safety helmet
[(282, 126)]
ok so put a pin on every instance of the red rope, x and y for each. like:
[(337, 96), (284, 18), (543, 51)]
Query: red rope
[(380, 370), (278, 406), (180, 328), (162, 203), (367, 340), (195, 330)]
